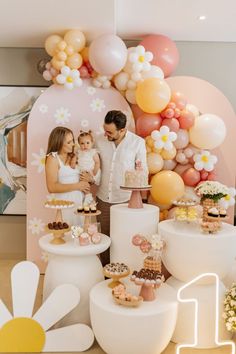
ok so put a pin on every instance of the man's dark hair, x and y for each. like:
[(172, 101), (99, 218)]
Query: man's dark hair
[(116, 117)]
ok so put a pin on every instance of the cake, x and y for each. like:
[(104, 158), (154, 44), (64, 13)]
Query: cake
[(213, 212), (137, 178)]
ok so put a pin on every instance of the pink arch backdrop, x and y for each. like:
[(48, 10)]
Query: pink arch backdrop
[(208, 99), (81, 108)]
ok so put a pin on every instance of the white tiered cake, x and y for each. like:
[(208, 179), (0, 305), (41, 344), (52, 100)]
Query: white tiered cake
[(125, 223)]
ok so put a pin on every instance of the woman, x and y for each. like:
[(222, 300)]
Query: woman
[(61, 178)]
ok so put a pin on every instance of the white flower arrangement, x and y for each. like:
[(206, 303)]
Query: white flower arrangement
[(229, 313), (212, 190)]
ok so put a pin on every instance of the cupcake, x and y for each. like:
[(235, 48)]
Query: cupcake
[(223, 213), (213, 212), (86, 209), (80, 209), (93, 208)]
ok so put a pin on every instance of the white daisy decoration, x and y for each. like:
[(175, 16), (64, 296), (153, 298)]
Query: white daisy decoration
[(91, 90), (84, 123), (163, 138), (97, 105), (36, 226), (229, 199), (140, 59), (62, 115), (43, 108), (70, 78), (204, 161), (39, 160), (26, 332)]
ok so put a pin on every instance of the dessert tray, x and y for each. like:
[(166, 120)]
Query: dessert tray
[(122, 297), (135, 201), (58, 204), (115, 271), (131, 303), (185, 202)]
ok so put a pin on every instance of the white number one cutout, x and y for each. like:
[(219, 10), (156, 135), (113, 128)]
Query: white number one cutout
[(195, 301)]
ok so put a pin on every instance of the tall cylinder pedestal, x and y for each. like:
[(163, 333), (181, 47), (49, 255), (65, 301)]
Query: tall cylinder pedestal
[(206, 296), (125, 223)]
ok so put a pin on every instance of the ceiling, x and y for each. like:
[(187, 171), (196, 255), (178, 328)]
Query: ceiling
[(27, 23)]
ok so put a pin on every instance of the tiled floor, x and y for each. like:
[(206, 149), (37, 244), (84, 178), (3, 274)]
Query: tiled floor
[(5, 295)]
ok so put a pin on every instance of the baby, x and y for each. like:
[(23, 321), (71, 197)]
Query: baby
[(88, 159)]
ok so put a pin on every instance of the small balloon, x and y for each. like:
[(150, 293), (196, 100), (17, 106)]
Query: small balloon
[(76, 39), (154, 162), (146, 123), (182, 139), (186, 119), (51, 44), (179, 99), (172, 124), (191, 177)]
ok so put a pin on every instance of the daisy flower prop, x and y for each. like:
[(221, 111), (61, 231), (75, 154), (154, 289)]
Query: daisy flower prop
[(163, 138), (229, 199), (69, 78), (28, 333), (140, 59), (204, 161)]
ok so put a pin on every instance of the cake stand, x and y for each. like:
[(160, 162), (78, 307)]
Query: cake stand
[(58, 234), (115, 278), (87, 217), (135, 201)]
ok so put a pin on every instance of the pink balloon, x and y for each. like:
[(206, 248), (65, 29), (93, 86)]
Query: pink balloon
[(172, 123), (186, 119), (164, 50), (204, 175), (84, 74), (191, 177), (136, 111), (108, 54), (179, 99), (146, 123), (212, 176), (182, 139)]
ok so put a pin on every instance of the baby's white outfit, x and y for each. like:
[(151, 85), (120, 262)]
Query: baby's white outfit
[(86, 163)]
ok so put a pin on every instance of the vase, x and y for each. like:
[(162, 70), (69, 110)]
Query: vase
[(210, 224)]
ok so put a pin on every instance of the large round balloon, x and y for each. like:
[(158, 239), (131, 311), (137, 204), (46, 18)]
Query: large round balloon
[(152, 95), (108, 54), (146, 123), (208, 131), (76, 39), (51, 44), (164, 50), (167, 186)]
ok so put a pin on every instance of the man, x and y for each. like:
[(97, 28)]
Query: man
[(119, 149)]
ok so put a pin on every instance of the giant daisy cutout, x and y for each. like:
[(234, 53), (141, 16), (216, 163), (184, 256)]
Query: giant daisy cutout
[(24, 332)]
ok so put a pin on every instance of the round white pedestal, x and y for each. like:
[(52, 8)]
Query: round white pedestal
[(189, 252), (125, 223), (124, 330), (205, 294), (73, 264), (230, 277)]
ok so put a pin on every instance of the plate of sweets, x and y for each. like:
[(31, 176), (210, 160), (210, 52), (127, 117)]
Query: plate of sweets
[(124, 298), (115, 271), (185, 202), (58, 204)]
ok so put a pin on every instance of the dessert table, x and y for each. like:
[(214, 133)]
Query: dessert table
[(74, 264), (144, 329)]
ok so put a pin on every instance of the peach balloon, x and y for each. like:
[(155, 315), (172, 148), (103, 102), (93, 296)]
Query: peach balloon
[(169, 164), (85, 54), (74, 61), (181, 168), (152, 95), (186, 119), (182, 139), (171, 123), (168, 154), (61, 46), (76, 39), (154, 162), (61, 56), (57, 64), (149, 141), (148, 149), (179, 99), (136, 111), (51, 44), (167, 186), (191, 177), (69, 50), (146, 123)]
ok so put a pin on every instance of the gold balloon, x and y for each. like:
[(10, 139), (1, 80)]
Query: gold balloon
[(51, 44), (155, 162), (61, 45), (61, 56), (152, 95), (168, 154), (69, 50), (149, 141), (167, 186), (76, 39), (156, 150), (57, 64), (74, 61), (148, 149), (85, 54)]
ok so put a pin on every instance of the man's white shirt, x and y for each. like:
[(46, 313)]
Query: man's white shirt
[(115, 160)]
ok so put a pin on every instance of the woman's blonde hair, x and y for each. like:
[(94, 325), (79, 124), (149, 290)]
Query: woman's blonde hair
[(56, 139)]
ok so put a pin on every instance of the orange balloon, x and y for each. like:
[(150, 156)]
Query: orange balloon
[(76, 39), (155, 162), (152, 95), (168, 154), (74, 61), (51, 44), (167, 186), (85, 53), (149, 141)]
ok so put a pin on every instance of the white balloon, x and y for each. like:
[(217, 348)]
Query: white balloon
[(182, 139), (208, 132), (154, 71), (131, 85)]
